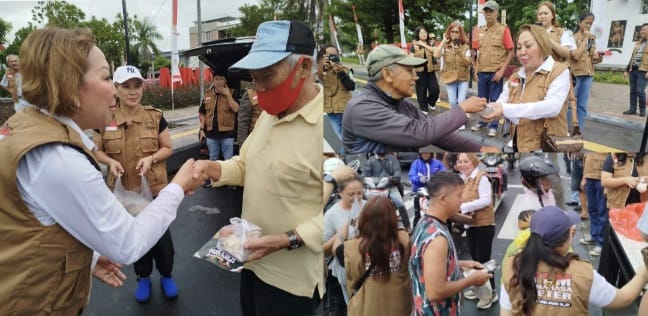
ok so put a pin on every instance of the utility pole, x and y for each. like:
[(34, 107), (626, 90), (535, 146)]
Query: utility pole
[(126, 32), (201, 66), (470, 39)]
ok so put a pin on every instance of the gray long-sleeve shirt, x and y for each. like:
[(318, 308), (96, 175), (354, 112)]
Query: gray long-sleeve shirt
[(375, 122)]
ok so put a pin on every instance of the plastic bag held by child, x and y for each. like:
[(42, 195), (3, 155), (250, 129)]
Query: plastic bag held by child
[(133, 201), (232, 238)]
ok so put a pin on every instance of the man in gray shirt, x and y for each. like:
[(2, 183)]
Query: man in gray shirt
[(638, 70), (381, 119), (12, 82)]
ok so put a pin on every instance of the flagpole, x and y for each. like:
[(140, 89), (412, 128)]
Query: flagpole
[(175, 60), (401, 16)]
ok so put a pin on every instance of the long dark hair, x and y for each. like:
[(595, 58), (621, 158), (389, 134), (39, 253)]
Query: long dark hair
[(378, 231), (582, 17), (417, 30), (525, 266)]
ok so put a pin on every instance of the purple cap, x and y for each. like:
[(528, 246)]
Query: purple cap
[(551, 223)]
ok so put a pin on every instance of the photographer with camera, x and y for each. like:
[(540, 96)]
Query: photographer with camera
[(337, 85)]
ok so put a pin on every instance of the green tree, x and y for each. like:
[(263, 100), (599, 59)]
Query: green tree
[(59, 13), (145, 35), (161, 62), (520, 12), (19, 38), (5, 27), (267, 10), (107, 38)]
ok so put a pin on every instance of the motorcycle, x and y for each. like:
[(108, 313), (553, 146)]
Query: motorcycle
[(495, 170), (380, 186)]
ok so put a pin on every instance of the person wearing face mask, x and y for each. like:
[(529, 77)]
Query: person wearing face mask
[(546, 278), (420, 172), (125, 146), (534, 97), (380, 118), (280, 167), (344, 212), (217, 115), (455, 59)]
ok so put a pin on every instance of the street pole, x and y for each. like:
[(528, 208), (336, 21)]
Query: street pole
[(126, 32), (201, 66), (470, 31)]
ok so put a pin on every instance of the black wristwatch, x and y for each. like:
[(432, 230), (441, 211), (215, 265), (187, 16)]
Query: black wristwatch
[(293, 241), (329, 178)]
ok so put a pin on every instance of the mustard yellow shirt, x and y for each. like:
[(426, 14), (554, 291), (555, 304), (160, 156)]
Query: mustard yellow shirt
[(280, 166)]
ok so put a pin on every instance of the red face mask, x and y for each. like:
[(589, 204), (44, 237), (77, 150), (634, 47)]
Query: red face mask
[(279, 99)]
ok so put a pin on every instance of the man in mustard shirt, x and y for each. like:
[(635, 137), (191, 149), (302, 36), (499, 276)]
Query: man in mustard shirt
[(280, 167)]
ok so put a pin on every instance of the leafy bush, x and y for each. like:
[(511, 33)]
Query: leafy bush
[(609, 77), (159, 97)]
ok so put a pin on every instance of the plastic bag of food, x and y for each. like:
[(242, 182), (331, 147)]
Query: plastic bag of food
[(133, 201), (624, 220), (227, 248)]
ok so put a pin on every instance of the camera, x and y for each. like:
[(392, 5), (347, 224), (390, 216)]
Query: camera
[(334, 58)]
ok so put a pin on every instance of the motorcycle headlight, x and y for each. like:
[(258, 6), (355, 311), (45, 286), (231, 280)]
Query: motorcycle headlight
[(490, 160)]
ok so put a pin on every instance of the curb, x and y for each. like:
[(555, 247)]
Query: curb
[(361, 72)]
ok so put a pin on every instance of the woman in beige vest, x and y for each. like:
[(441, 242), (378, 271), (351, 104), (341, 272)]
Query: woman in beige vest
[(582, 62), (620, 175), (534, 97), (477, 202), (454, 58), (381, 251), (546, 279), (427, 86), (137, 142)]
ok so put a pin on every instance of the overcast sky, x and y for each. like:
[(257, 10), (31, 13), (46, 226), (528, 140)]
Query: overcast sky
[(18, 13)]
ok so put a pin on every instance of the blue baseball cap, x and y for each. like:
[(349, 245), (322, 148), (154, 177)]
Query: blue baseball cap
[(276, 40), (551, 223)]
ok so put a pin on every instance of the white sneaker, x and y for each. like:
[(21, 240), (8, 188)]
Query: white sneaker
[(510, 144), (492, 132), (470, 294), (584, 241), (596, 251), (477, 127), (432, 108), (487, 303)]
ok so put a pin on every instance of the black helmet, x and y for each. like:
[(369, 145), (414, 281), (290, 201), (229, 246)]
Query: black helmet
[(535, 167)]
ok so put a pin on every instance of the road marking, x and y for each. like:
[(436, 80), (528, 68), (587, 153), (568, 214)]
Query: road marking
[(184, 133)]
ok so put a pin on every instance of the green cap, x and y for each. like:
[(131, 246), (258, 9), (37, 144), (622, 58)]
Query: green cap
[(385, 55), (491, 5)]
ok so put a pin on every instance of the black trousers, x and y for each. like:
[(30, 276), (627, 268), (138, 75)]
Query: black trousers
[(261, 299), (480, 244), (162, 253), (427, 90)]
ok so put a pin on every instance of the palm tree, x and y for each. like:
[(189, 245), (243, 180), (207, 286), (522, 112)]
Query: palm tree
[(145, 36)]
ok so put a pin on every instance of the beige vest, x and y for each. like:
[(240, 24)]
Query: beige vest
[(528, 131), (129, 144), (455, 65), (584, 66), (43, 269), (256, 109), (555, 34), (592, 165), (569, 289), (12, 86), (225, 117), (616, 197), (376, 297), (643, 66), (481, 217), (421, 52), (492, 53), (336, 96)]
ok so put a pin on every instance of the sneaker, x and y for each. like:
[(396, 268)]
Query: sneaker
[(169, 288), (492, 132), (432, 108), (143, 291), (487, 303), (628, 112), (586, 241), (470, 294), (596, 251), (510, 144), (478, 127)]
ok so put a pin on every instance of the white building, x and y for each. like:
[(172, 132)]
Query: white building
[(212, 30), (616, 26)]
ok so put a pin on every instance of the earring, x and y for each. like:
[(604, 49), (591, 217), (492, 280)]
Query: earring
[(77, 104)]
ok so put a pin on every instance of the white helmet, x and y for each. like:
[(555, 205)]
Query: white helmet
[(331, 164)]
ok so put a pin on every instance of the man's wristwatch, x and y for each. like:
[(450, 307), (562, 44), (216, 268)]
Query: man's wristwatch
[(329, 179), (293, 241)]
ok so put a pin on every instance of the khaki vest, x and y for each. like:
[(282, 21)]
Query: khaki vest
[(455, 65), (336, 96), (555, 34), (616, 197), (643, 66), (225, 117), (492, 53), (256, 109), (12, 86), (570, 289), (528, 131), (584, 66), (43, 269), (481, 217), (130, 143), (593, 164), (421, 52), (375, 297)]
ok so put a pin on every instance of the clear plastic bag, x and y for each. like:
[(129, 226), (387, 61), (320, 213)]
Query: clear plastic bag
[(232, 238), (133, 201)]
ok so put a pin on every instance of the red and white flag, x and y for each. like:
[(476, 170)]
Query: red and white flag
[(175, 59), (401, 18), (355, 18), (334, 34)]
